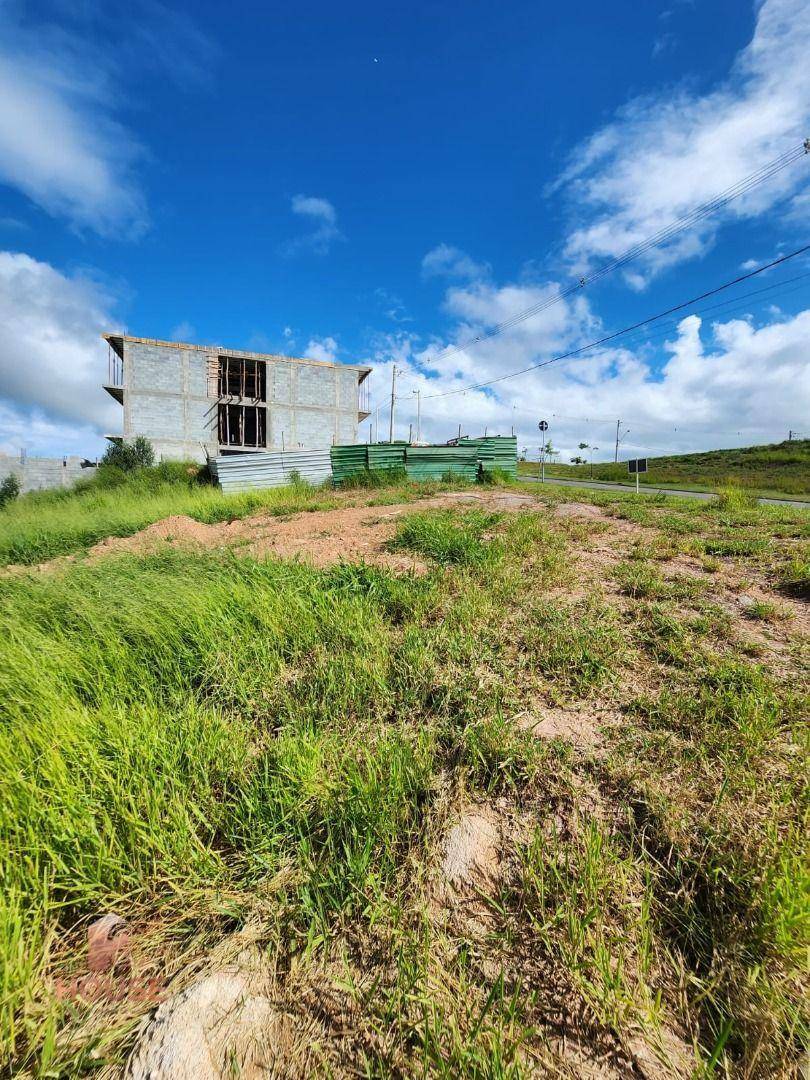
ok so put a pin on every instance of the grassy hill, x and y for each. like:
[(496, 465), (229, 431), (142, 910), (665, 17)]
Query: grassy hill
[(782, 468)]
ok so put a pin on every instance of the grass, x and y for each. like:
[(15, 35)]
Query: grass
[(205, 743), (779, 469), (448, 536), (42, 526), (45, 525)]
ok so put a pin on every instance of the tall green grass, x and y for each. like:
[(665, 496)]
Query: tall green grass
[(177, 723), (40, 527)]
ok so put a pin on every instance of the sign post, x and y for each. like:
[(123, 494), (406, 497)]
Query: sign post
[(635, 467), (543, 425)]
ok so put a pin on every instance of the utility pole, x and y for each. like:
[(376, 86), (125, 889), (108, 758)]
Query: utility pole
[(418, 415), (377, 424), (616, 455), (393, 402)]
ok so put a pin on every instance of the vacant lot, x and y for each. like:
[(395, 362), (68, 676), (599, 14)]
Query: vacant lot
[(461, 783)]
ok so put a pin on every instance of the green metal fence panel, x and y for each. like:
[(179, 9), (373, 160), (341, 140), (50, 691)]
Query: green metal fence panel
[(435, 462), (467, 459), (496, 452), (348, 460), (384, 456)]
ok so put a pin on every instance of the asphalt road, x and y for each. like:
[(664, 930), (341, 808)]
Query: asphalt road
[(646, 489)]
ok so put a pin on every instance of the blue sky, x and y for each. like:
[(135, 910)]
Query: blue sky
[(375, 183)]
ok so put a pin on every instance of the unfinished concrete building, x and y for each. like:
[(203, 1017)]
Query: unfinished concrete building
[(194, 401)]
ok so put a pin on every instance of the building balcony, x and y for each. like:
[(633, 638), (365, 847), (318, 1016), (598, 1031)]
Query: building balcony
[(115, 391)]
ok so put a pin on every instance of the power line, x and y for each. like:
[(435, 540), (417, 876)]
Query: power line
[(736, 303), (704, 210), (626, 330)]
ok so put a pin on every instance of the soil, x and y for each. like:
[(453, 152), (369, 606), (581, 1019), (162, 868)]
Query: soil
[(320, 537), (580, 727), (471, 850)]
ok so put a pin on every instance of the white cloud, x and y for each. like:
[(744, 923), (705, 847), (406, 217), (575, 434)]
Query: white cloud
[(451, 262), (322, 219), (322, 349), (184, 331), (52, 358), (667, 153), (33, 431), (13, 225), (60, 142), (392, 306), (721, 384), (664, 43)]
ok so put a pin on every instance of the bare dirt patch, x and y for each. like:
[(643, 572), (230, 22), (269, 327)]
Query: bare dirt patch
[(320, 537), (580, 510), (471, 854), (580, 727)]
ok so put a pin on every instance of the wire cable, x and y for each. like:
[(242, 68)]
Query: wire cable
[(627, 329), (686, 221)]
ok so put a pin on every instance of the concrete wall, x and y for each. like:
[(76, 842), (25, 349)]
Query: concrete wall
[(167, 398), (36, 473)]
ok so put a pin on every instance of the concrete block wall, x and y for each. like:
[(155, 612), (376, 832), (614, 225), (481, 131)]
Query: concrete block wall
[(169, 398), (39, 473), (166, 399)]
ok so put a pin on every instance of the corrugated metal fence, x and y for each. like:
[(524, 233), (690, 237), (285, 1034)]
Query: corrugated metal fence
[(467, 459), (243, 472)]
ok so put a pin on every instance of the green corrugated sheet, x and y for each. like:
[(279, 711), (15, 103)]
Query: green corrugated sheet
[(434, 462), (386, 456), (467, 459), (348, 460), (496, 452)]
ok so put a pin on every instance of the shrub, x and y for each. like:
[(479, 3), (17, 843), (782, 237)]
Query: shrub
[(9, 489), (127, 457)]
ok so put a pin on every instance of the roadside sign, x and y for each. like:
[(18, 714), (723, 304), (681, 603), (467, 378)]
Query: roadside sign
[(636, 466), (543, 425)]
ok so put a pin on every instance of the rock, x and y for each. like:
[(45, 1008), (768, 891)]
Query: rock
[(220, 1026), (108, 942)]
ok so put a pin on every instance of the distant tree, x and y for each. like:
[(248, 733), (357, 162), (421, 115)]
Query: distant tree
[(139, 454), (578, 460), (584, 446), (9, 489)]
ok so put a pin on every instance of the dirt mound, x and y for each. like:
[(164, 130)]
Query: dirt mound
[(320, 537), (176, 531)]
